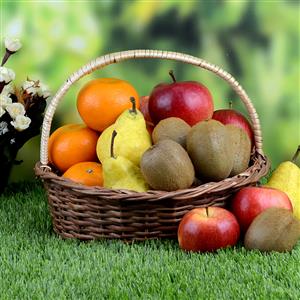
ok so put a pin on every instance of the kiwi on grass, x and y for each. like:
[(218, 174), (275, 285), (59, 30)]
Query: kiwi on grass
[(275, 229)]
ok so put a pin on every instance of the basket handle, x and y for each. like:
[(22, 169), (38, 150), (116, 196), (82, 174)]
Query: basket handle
[(112, 58)]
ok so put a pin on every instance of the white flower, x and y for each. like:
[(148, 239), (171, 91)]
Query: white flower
[(12, 141), (8, 89), (30, 87), (12, 45), (3, 128), (6, 75), (43, 91), (15, 109), (21, 123), (5, 100), (2, 111)]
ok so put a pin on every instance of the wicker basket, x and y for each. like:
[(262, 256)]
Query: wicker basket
[(88, 213)]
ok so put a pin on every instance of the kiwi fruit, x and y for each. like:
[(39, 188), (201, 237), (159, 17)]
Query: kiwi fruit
[(172, 128), (275, 229), (210, 148), (241, 147), (166, 166)]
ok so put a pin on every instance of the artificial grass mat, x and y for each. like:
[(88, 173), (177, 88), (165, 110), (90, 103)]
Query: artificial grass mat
[(36, 264)]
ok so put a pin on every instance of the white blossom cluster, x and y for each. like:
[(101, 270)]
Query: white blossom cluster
[(36, 88), (12, 44), (16, 110), (17, 113), (6, 75)]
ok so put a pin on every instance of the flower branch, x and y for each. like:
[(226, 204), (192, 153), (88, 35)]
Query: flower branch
[(21, 111)]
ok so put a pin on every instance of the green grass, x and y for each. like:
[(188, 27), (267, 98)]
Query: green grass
[(37, 264)]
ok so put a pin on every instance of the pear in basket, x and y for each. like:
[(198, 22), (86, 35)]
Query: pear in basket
[(133, 137), (120, 173)]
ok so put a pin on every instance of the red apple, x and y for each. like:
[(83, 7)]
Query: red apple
[(208, 229), (188, 100), (249, 202), (150, 127), (144, 108), (231, 116)]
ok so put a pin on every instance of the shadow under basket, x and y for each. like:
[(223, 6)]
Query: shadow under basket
[(88, 213)]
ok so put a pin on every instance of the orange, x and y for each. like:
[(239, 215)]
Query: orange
[(87, 173), (71, 144), (102, 100)]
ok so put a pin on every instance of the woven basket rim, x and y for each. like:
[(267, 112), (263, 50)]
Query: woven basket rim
[(259, 168)]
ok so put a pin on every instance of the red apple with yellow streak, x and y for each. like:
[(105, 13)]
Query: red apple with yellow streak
[(208, 229)]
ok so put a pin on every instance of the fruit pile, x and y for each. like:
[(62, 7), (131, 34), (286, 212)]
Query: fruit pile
[(173, 140)]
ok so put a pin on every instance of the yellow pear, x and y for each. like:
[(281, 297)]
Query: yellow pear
[(133, 137), (287, 179), (121, 173), (103, 143)]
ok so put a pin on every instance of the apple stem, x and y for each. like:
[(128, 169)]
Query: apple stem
[(230, 104), (171, 73), (133, 109), (206, 209), (113, 136), (296, 154)]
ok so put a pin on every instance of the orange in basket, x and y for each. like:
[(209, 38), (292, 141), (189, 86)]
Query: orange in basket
[(71, 144), (86, 173), (102, 100)]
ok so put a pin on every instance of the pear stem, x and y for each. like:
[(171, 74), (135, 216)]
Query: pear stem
[(133, 109), (206, 209), (230, 104), (114, 134), (171, 73), (296, 154)]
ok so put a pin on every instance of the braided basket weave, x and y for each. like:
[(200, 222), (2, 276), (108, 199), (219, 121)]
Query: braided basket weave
[(88, 213)]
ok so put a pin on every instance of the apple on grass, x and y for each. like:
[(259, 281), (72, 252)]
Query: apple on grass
[(208, 229), (189, 100), (249, 202), (231, 116)]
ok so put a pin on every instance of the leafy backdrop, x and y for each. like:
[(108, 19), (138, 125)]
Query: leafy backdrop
[(256, 41)]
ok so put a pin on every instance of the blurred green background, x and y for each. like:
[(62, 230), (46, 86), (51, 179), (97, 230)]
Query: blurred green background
[(256, 41)]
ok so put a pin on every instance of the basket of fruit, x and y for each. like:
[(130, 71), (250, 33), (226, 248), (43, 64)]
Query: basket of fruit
[(120, 176)]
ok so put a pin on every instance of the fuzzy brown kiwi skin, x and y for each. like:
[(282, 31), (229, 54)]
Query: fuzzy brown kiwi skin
[(166, 166), (210, 148), (172, 128), (275, 229), (241, 147)]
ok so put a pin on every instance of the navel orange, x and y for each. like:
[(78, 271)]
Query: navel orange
[(71, 144), (102, 100), (87, 173)]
